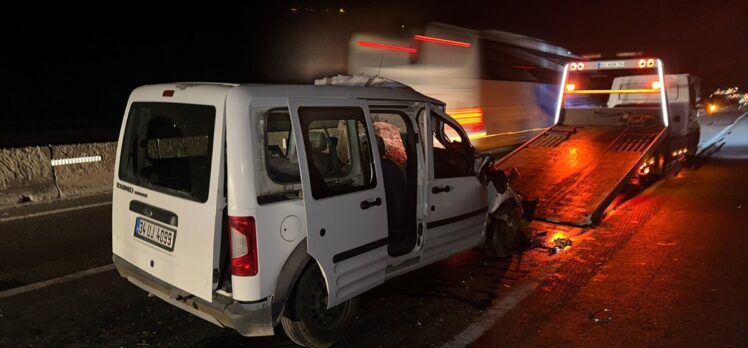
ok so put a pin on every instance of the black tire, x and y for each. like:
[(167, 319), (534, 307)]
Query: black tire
[(307, 321), (693, 145), (504, 233)]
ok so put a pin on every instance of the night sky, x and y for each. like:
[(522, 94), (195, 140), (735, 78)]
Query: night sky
[(69, 64)]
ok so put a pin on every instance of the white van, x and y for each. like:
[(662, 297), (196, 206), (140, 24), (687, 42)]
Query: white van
[(218, 210)]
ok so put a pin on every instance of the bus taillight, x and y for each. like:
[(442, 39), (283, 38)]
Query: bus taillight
[(469, 118)]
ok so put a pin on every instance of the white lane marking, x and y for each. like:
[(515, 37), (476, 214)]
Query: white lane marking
[(497, 311), (721, 134), (56, 211), (75, 160), (47, 283)]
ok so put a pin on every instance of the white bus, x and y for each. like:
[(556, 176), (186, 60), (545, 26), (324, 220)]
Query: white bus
[(502, 87)]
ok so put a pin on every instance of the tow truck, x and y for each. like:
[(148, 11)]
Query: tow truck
[(616, 122)]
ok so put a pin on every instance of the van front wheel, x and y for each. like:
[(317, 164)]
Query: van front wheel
[(307, 321), (504, 236)]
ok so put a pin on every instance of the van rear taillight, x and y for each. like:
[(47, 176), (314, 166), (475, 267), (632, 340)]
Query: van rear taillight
[(243, 235)]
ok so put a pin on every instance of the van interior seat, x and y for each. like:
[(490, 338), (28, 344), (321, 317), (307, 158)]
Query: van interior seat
[(319, 144)]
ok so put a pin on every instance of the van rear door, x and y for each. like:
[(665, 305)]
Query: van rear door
[(346, 213), (168, 195)]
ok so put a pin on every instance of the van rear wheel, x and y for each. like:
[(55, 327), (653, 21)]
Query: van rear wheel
[(307, 321)]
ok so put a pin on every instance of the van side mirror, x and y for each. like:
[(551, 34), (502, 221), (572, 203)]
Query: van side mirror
[(499, 180)]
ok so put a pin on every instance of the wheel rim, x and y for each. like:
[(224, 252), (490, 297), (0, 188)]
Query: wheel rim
[(505, 238), (316, 308)]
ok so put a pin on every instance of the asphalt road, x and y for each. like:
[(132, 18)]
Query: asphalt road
[(668, 264), (666, 269)]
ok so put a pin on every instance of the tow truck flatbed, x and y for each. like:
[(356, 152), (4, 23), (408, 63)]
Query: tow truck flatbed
[(613, 123), (575, 172)]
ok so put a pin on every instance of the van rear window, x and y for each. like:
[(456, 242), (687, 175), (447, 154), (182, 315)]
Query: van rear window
[(167, 147)]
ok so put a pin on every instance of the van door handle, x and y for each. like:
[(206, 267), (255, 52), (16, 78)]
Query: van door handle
[(438, 189), (369, 204)]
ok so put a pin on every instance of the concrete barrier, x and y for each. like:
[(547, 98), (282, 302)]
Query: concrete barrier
[(27, 174), (77, 179)]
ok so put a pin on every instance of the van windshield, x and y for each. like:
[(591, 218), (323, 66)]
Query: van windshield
[(167, 147)]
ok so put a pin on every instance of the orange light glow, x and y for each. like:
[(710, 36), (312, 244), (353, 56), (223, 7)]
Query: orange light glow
[(650, 63), (469, 118), (387, 47), (656, 85), (442, 41), (713, 108), (570, 87), (651, 161), (557, 235)]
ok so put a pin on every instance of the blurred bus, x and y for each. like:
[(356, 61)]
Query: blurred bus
[(502, 87)]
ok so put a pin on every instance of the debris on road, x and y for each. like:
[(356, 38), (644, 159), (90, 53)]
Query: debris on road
[(557, 243), (601, 316)]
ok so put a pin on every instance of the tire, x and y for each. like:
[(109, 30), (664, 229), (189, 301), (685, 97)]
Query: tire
[(307, 321), (504, 234), (693, 145)]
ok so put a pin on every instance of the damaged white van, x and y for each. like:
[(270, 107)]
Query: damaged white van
[(250, 205)]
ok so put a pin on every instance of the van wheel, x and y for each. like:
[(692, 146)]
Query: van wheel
[(503, 237), (307, 321)]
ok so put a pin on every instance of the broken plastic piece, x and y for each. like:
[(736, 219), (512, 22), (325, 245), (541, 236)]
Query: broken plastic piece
[(559, 245), (601, 316)]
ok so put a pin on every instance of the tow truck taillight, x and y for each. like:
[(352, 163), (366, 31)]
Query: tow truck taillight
[(243, 236)]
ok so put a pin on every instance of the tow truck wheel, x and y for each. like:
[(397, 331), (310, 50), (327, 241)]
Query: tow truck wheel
[(504, 233), (307, 321)]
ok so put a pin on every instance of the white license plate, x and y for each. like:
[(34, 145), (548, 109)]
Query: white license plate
[(155, 234), (611, 65)]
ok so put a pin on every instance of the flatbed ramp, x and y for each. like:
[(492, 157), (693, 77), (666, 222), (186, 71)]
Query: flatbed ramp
[(575, 172)]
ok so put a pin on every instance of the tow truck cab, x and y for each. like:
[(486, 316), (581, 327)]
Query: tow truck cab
[(683, 102)]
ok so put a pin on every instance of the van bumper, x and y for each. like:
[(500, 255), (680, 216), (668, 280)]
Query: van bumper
[(249, 319)]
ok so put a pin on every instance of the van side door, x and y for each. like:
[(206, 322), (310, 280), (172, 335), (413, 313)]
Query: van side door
[(456, 200), (343, 193)]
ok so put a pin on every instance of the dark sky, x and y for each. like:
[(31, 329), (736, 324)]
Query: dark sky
[(71, 63)]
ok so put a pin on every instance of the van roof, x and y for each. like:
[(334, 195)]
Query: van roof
[(280, 90)]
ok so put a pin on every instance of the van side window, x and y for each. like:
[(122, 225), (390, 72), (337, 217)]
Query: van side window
[(337, 149), (280, 153), (451, 151)]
